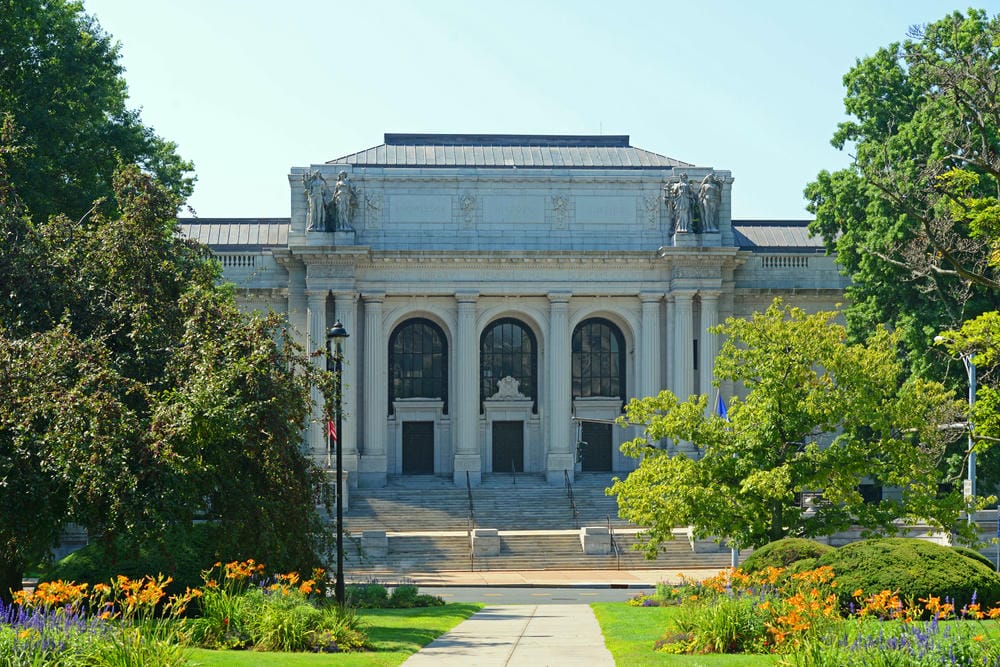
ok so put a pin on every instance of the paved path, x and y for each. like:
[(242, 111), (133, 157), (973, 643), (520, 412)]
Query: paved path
[(520, 636)]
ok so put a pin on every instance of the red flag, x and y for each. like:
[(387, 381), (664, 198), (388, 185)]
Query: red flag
[(332, 430)]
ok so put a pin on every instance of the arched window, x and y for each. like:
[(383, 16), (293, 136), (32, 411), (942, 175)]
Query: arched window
[(507, 347), (598, 359), (418, 362)]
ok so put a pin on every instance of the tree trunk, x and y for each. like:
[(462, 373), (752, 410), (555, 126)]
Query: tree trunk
[(777, 530), (10, 579)]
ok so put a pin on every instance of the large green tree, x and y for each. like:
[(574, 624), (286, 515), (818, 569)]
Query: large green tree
[(62, 83), (819, 415), (915, 219), (137, 397)]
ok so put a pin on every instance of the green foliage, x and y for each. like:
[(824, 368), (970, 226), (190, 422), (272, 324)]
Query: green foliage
[(61, 82), (141, 399), (975, 555), (912, 568), (181, 555), (783, 553), (376, 596), (818, 414), (727, 625), (913, 219)]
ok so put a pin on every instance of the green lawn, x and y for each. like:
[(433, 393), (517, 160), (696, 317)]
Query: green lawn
[(629, 633), (396, 633)]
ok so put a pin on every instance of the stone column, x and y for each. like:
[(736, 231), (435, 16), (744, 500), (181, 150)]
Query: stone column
[(297, 304), (316, 340), (649, 346), (345, 310), (561, 456), (465, 401), (373, 463), (709, 347), (683, 347)]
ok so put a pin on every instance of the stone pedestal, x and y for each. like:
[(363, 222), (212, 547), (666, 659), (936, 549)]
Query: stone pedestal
[(371, 471), (471, 463), (595, 540), (555, 464), (486, 542)]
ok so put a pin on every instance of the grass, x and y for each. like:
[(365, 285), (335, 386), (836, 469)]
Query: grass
[(629, 633), (396, 633)]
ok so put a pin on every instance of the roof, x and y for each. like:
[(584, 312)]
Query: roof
[(534, 151), (235, 234), (776, 236)]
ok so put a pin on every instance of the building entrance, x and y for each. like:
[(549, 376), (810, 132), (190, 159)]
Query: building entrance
[(508, 446), (418, 448), (596, 447)]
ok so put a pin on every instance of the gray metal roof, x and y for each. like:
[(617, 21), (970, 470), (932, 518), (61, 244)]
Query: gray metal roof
[(234, 234), (534, 151), (776, 236)]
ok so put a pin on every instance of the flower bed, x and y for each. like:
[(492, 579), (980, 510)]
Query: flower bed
[(799, 615)]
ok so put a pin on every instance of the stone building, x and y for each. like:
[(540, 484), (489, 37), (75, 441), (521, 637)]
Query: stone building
[(506, 294)]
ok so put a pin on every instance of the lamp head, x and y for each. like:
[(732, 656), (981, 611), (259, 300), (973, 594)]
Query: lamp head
[(337, 331)]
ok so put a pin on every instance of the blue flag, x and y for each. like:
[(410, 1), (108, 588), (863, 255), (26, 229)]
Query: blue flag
[(720, 406)]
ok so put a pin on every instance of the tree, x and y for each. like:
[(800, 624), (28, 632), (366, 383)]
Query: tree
[(819, 414), (915, 220), (137, 396), (61, 82)]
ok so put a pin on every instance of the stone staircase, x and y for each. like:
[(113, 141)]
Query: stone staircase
[(426, 522)]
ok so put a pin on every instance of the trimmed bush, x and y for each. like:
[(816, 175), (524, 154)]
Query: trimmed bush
[(913, 569), (782, 553), (182, 555), (975, 555)]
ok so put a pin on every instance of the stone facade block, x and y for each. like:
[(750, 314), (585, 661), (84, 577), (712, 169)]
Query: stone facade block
[(595, 540)]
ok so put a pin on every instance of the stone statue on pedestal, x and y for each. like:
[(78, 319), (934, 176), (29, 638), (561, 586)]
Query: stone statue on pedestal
[(709, 200), (317, 199), (345, 201), (680, 199)]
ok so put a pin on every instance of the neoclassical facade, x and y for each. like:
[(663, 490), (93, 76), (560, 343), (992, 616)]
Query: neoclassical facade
[(506, 294)]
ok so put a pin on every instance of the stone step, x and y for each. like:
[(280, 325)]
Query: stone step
[(535, 550)]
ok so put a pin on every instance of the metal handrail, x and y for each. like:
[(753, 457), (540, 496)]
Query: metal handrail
[(513, 470), (572, 500), (471, 523), (614, 545)]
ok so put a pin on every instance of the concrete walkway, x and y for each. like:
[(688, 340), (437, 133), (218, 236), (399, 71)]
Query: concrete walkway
[(520, 636)]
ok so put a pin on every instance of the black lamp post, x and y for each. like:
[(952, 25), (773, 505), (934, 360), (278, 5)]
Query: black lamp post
[(333, 340)]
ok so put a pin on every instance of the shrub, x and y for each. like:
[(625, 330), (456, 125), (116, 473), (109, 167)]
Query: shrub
[(182, 555), (783, 553), (975, 555), (367, 596), (913, 569)]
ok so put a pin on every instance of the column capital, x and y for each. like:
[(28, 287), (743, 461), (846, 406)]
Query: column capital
[(559, 297), (312, 293), (683, 294), (709, 295), (467, 296), (341, 297), (650, 297), (373, 297)]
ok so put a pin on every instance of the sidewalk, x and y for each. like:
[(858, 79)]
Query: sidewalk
[(520, 636)]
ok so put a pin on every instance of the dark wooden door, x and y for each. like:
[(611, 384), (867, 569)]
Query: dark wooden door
[(508, 446), (418, 448), (597, 448)]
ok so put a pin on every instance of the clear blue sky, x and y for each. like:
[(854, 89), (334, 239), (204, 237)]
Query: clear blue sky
[(251, 88)]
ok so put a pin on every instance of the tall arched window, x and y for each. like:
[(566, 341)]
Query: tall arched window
[(507, 347), (418, 362), (598, 359)]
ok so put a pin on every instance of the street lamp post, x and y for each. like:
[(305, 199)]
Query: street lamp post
[(970, 370), (334, 336)]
